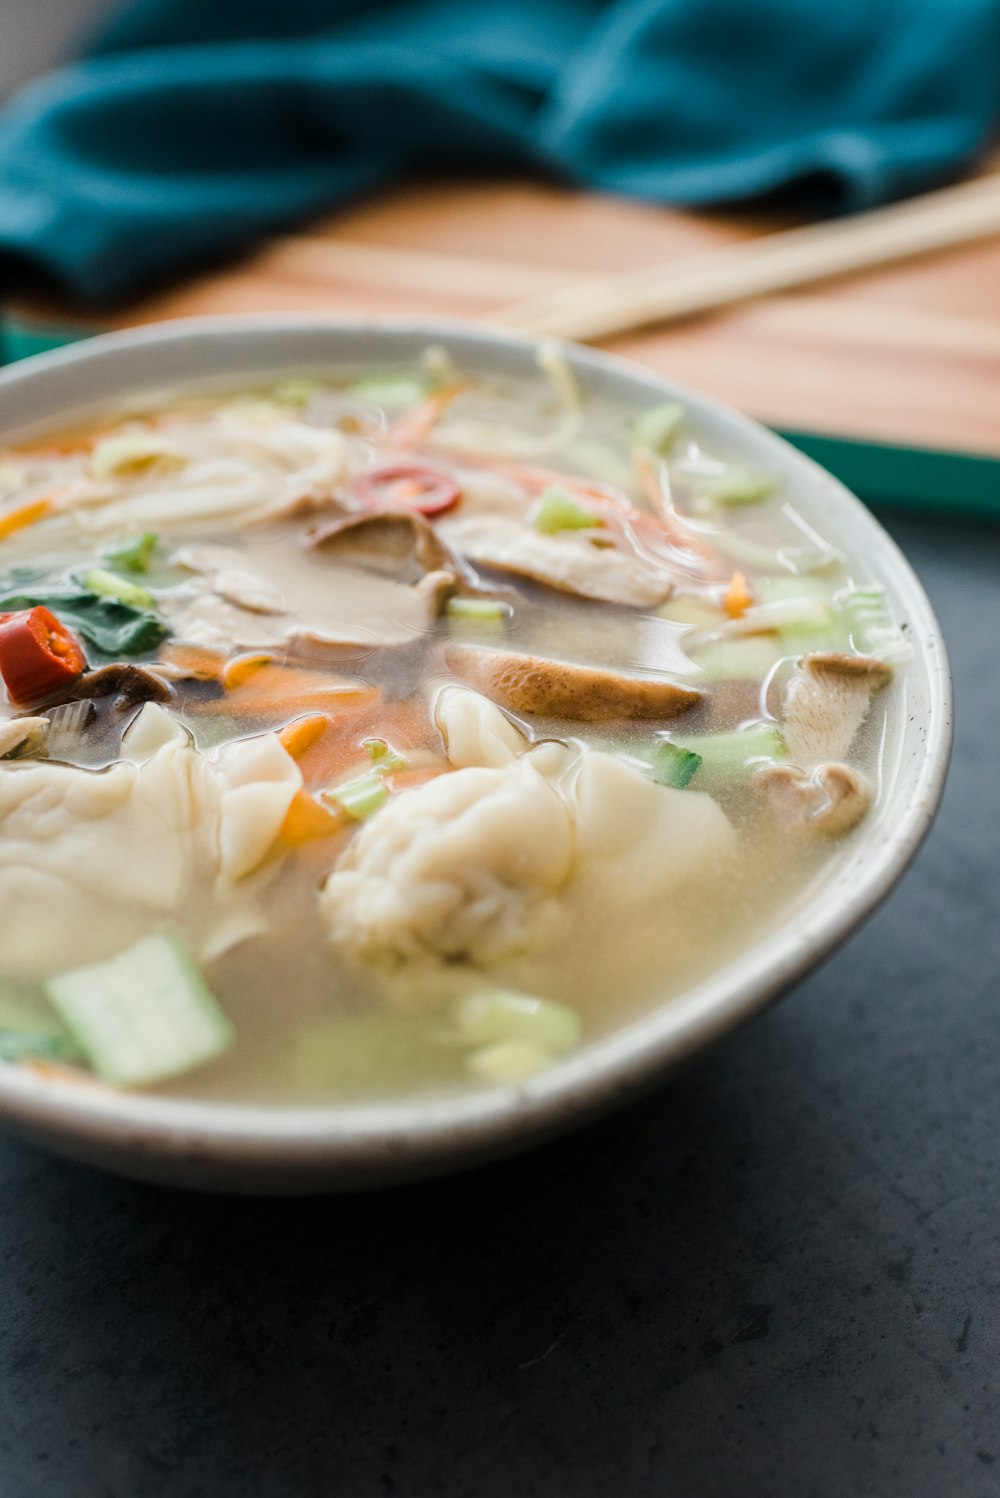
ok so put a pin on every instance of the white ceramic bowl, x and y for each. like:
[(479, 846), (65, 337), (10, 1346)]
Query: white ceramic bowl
[(222, 1146)]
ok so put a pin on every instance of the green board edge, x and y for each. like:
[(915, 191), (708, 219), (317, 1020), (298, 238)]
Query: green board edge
[(925, 480)]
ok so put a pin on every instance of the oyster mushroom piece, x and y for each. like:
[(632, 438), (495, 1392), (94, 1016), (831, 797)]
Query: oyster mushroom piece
[(21, 736), (397, 543), (560, 689), (579, 562), (829, 799), (826, 703)]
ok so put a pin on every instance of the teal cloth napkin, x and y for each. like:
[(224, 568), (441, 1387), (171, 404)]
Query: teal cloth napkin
[(192, 127)]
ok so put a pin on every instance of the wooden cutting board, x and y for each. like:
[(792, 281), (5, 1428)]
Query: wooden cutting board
[(892, 377)]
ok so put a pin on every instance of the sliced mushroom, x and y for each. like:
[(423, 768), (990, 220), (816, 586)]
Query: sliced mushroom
[(560, 689), (580, 562), (21, 736), (826, 703), (128, 684), (829, 799), (396, 543)]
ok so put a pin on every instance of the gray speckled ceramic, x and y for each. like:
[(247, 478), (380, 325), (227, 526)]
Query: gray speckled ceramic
[(225, 1147)]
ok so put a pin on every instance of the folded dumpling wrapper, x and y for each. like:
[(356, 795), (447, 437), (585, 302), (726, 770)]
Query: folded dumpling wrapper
[(554, 858), (89, 860)]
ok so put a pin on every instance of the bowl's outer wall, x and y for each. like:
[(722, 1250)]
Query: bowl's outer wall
[(244, 1148)]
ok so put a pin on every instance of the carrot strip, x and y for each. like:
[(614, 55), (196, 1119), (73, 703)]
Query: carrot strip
[(201, 664), (280, 692), (236, 671), (738, 596), (301, 733), (415, 426), (24, 515), (307, 819)]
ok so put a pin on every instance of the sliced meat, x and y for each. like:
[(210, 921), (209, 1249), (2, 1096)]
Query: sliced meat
[(585, 563), (829, 799), (826, 703), (396, 543), (560, 689)]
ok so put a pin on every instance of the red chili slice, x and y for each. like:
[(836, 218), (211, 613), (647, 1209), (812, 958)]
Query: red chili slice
[(406, 486), (37, 654)]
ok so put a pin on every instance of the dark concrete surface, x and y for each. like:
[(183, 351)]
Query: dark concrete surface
[(779, 1276)]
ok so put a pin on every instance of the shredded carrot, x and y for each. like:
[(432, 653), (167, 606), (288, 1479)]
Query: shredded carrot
[(24, 515), (199, 663), (307, 819), (281, 692), (236, 671), (416, 425), (738, 596), (301, 733)]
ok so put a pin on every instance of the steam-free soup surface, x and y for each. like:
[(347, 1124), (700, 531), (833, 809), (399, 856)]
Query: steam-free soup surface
[(372, 733)]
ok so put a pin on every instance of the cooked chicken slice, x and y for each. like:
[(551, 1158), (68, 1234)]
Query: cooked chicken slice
[(569, 561), (400, 544), (560, 689), (826, 703), (829, 799)]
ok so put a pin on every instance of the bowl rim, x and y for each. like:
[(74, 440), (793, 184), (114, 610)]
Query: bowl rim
[(612, 1067)]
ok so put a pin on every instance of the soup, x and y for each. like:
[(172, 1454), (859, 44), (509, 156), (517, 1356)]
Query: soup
[(372, 733)]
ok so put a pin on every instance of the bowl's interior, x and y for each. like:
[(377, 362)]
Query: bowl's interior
[(376, 1140)]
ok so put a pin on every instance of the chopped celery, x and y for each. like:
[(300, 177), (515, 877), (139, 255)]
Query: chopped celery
[(143, 1016), (736, 485), (478, 610), (295, 392), (806, 617), (395, 392), (723, 753), (360, 797), (107, 585), (496, 1014), (133, 555), (26, 1045), (507, 1062), (686, 608), (599, 460), (558, 511), (748, 658), (29, 1027), (360, 1056), (383, 756), (672, 765), (657, 427)]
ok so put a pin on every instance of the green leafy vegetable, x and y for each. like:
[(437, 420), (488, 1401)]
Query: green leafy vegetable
[(657, 427), (114, 629), (107, 585), (673, 765), (133, 555), (558, 511), (145, 1015)]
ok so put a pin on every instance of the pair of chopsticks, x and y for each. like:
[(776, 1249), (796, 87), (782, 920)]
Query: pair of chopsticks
[(590, 310)]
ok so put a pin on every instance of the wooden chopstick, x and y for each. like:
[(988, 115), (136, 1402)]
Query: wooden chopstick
[(776, 262)]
